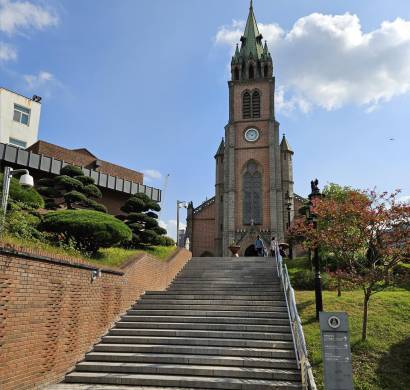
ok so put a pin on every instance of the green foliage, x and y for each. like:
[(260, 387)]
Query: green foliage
[(22, 224), (70, 190), (92, 190), (92, 204), (74, 197), (165, 241), (72, 171), (27, 196), (143, 221), (85, 179), (337, 192), (305, 280), (89, 229), (68, 183)]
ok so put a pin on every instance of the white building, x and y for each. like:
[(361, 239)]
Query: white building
[(19, 118)]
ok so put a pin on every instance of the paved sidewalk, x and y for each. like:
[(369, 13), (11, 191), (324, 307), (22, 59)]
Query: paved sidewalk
[(67, 386)]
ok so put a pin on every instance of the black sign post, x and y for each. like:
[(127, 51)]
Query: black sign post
[(337, 358)]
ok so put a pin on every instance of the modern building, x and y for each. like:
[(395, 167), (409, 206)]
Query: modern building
[(19, 118), (254, 171), (43, 159)]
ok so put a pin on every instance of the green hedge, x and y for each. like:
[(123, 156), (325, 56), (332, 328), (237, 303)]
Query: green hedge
[(89, 229)]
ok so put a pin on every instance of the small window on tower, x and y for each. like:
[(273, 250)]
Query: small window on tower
[(236, 74), (246, 105), (266, 70)]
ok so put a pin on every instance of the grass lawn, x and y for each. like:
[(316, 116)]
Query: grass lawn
[(383, 361), (109, 257)]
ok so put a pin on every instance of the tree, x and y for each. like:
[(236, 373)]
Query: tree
[(143, 221), (70, 190), (368, 231), (88, 229)]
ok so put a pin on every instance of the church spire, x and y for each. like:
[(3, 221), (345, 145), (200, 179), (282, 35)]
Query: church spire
[(252, 60)]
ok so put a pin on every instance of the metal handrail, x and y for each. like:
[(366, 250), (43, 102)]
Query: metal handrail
[(299, 343)]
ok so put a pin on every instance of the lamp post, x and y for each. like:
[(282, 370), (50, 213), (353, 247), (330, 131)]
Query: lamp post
[(289, 208), (180, 204), (25, 181), (316, 259)]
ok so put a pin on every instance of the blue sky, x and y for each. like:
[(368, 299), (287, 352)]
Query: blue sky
[(144, 84)]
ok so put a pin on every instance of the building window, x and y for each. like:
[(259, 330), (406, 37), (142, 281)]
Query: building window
[(256, 104), (246, 105), (236, 74), (266, 71), (252, 195), (17, 142), (21, 114)]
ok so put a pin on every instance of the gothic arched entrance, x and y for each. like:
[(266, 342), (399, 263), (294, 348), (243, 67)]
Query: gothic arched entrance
[(250, 251)]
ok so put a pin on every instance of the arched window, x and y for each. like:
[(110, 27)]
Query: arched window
[(252, 195), (266, 70), (256, 104), (246, 105), (236, 74), (251, 72)]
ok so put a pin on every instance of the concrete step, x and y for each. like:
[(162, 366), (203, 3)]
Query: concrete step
[(203, 326), (230, 302), (209, 313), (200, 382), (278, 353), (191, 369), (216, 342), (212, 360), (176, 306), (199, 297), (201, 334), (205, 320)]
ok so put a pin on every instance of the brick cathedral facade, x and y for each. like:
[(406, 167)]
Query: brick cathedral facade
[(254, 172)]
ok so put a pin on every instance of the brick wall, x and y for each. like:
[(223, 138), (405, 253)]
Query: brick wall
[(203, 231), (52, 313)]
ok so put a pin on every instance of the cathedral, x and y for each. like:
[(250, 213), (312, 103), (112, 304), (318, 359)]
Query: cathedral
[(253, 167)]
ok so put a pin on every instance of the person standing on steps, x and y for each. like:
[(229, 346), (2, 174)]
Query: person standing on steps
[(259, 246), (273, 246)]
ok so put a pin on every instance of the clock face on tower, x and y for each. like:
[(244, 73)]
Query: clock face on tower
[(252, 135)]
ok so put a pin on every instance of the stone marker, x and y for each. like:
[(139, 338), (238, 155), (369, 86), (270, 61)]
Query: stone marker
[(337, 358)]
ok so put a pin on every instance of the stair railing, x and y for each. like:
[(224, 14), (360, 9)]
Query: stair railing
[(299, 343)]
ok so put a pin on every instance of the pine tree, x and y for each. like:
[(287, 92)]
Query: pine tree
[(141, 218), (70, 190)]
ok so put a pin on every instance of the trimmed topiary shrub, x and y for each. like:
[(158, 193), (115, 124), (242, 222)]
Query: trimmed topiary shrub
[(90, 230), (27, 196), (143, 221), (70, 190)]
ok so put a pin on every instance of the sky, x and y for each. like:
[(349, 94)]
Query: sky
[(143, 83)]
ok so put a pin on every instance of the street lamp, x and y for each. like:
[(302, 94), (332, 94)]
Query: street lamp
[(180, 204), (289, 208), (26, 180), (316, 260)]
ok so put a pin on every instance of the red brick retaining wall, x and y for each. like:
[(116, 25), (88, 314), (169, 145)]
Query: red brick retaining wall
[(51, 312)]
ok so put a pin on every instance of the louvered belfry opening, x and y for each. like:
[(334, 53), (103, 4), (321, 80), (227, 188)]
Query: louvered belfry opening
[(251, 105), (256, 104), (246, 106)]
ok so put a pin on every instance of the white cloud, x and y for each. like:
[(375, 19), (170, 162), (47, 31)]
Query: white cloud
[(327, 61), (7, 52), (16, 16), (38, 80), (171, 227), (151, 174), (405, 199)]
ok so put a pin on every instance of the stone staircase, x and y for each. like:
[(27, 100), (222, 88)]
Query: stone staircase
[(222, 324)]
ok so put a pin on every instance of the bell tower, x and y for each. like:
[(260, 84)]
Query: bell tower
[(249, 183)]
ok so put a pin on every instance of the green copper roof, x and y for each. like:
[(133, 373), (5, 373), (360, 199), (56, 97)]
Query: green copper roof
[(252, 38)]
